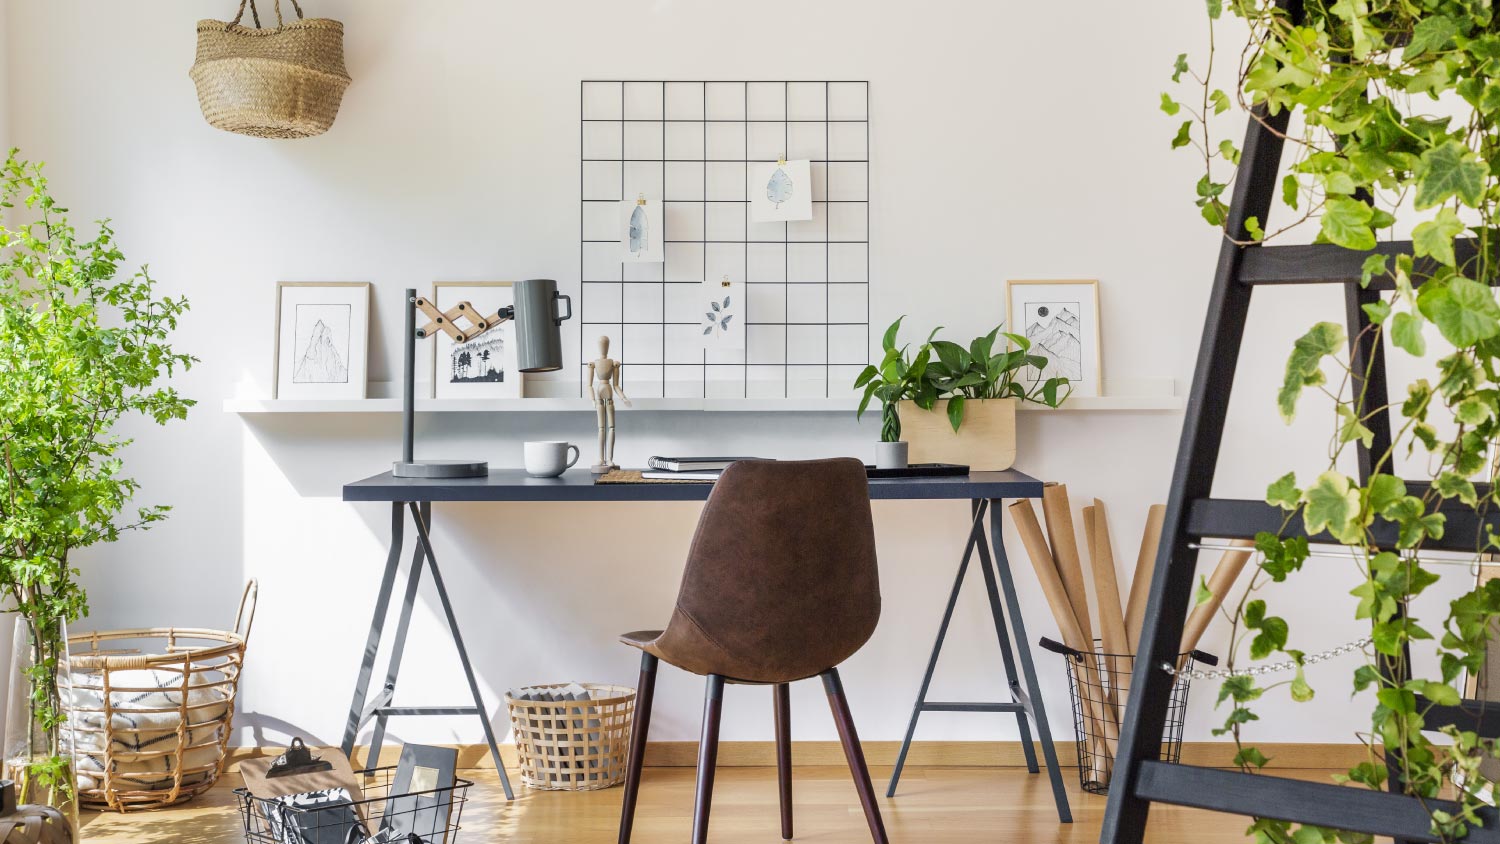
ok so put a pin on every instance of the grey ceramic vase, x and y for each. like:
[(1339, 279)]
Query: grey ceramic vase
[(890, 455)]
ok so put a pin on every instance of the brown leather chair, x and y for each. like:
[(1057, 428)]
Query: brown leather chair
[(780, 585)]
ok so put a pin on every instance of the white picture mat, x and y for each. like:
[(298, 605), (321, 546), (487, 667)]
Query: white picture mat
[(1034, 309), (306, 356), (487, 298), (798, 206)]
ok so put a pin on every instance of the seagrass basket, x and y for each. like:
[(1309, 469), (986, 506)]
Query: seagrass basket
[(150, 710), (285, 82), (574, 745)]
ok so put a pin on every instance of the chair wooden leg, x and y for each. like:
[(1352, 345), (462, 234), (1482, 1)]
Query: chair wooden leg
[(852, 751), (645, 691), (708, 756), (784, 755)]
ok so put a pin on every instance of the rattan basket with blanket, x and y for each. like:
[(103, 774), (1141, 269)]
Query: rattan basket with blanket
[(149, 710)]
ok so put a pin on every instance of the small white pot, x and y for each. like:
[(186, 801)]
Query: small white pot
[(890, 455)]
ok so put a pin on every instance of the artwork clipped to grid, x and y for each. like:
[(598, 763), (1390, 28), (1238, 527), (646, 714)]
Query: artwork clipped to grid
[(695, 208)]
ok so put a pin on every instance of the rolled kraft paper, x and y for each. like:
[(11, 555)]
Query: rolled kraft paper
[(1105, 667), (1107, 593), (1035, 542), (1140, 584), (1225, 574), (1065, 554)]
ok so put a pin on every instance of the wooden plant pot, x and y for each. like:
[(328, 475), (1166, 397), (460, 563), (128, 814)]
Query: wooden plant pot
[(986, 442)]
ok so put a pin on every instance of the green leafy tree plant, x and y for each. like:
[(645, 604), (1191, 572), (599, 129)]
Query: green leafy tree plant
[(1400, 101), (81, 348)]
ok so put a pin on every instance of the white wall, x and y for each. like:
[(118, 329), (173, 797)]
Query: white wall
[(1007, 143)]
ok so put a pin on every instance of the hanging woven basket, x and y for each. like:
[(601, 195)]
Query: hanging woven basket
[(285, 82)]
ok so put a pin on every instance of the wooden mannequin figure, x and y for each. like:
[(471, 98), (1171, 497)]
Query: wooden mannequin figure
[(610, 373)]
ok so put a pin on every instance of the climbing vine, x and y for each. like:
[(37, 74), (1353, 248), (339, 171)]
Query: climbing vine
[(1395, 107)]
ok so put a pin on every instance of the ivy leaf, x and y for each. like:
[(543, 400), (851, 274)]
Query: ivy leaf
[(1271, 638), (1179, 67), (1454, 485), (1283, 493), (1250, 756), (1290, 190), (1333, 505), (1435, 237), (1406, 333), (1451, 169), (1441, 694), (1430, 34), (1365, 676), (1169, 105), (1384, 491), (1184, 135), (1301, 691), (1229, 151), (1373, 266), (1303, 366), (1378, 311), (1464, 311), (1215, 8), (1346, 222), (1203, 594), (1220, 101)]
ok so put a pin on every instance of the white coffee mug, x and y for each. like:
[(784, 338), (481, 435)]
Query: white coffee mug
[(549, 459)]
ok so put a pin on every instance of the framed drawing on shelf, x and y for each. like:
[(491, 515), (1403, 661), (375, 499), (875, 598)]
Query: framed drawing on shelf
[(322, 339), (484, 367), (1061, 319)]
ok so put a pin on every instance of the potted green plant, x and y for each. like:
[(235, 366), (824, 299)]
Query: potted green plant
[(969, 415), (901, 375), (80, 349), (1399, 108)]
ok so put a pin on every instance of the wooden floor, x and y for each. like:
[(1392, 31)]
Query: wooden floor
[(934, 806)]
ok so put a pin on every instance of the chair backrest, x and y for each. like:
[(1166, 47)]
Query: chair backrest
[(781, 576)]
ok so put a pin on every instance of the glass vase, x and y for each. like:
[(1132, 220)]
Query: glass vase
[(38, 751)]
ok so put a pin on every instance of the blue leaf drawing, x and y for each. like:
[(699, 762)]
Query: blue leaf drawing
[(779, 189), (710, 316), (714, 305), (726, 303), (707, 331), (640, 240), (725, 324)]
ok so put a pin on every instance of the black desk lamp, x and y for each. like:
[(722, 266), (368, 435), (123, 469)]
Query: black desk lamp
[(538, 349)]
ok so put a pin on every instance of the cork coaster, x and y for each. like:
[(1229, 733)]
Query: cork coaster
[(633, 476)]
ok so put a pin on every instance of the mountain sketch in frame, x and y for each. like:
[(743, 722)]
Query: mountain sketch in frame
[(1061, 321), (1053, 329), (322, 344), (322, 340)]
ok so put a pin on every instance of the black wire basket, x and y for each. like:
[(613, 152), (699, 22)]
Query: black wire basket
[(1099, 686), (379, 817)]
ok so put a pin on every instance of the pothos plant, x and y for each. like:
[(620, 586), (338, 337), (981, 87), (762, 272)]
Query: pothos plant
[(900, 376), (81, 348), (1399, 102)]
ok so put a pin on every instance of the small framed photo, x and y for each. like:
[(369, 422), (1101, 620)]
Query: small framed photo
[(1061, 319), (322, 339), (484, 367), (641, 235), (780, 191)]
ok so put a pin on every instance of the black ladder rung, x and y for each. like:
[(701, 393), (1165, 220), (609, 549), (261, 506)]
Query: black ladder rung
[(1327, 263), (1474, 715), (1356, 809), (1243, 518)]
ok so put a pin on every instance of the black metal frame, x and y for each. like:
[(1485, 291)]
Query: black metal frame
[(1192, 513), (363, 707), (1023, 702)]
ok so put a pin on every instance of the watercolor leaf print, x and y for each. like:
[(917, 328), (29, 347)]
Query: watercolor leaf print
[(639, 230), (718, 316), (779, 188)]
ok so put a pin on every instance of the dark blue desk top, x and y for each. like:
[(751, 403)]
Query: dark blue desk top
[(516, 485)]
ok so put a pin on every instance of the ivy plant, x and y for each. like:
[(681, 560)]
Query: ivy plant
[(1399, 101), (82, 347)]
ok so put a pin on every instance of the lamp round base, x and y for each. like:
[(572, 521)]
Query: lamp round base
[(440, 469)]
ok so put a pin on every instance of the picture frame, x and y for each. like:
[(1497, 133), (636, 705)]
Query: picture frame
[(421, 794), (321, 347), (1061, 318), (487, 366)]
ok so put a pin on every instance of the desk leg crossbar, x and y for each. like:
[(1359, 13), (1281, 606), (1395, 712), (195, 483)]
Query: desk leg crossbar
[(363, 708), (1024, 702)]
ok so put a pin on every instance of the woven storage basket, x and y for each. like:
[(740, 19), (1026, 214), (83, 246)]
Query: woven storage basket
[(150, 710), (576, 745), (285, 82)]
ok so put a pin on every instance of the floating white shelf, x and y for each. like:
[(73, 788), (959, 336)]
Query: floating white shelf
[(808, 405)]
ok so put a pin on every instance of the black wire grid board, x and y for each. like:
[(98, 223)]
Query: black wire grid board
[(806, 284)]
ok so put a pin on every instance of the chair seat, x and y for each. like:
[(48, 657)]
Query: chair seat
[(641, 638)]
